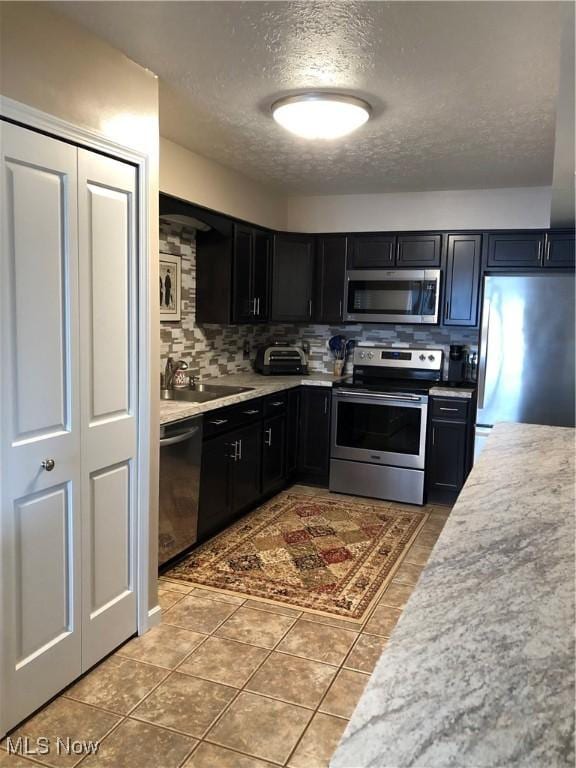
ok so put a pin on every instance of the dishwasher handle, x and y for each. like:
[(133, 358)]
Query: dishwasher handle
[(179, 438)]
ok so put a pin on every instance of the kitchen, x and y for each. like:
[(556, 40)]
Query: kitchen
[(361, 381)]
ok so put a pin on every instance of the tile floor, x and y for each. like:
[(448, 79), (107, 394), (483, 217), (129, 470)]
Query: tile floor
[(225, 682)]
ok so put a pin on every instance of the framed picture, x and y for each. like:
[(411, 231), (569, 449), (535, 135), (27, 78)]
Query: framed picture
[(170, 287)]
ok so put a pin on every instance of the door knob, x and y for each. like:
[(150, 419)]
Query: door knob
[(48, 465)]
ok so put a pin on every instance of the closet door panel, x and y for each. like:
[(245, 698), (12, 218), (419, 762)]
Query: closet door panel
[(40, 430), (108, 279)]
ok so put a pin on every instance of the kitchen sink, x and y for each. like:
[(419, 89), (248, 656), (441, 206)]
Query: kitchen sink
[(202, 393)]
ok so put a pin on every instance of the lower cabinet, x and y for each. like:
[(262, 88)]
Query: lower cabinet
[(292, 431), (273, 453), (314, 443), (450, 448)]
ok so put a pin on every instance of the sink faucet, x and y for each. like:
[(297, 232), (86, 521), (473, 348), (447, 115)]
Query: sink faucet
[(171, 370)]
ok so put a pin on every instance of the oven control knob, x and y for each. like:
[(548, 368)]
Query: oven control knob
[(370, 355), (431, 357), (362, 355), (422, 357)]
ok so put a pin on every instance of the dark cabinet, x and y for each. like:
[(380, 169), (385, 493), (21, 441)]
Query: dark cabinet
[(245, 472), (418, 251), (462, 280), (559, 250), (314, 444), (251, 274), (292, 278), (273, 453), (450, 448), (215, 503), (519, 249), (331, 253), (371, 251), (292, 431)]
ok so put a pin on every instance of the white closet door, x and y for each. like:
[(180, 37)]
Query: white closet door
[(108, 280), (40, 515)]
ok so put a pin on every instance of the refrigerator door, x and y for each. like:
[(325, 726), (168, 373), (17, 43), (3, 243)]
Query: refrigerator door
[(526, 367)]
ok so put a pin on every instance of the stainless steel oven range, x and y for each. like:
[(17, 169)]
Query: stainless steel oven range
[(379, 423)]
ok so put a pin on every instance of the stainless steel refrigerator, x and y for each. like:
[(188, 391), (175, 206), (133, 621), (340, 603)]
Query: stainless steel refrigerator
[(526, 363)]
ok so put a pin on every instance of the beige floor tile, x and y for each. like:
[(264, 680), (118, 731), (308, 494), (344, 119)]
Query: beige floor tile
[(211, 756), (344, 693), (167, 598), (164, 645), (14, 761), (198, 613), (141, 745), (396, 595), (185, 703), (426, 538), (319, 742), (261, 727), (213, 594), (307, 490), (418, 555), (118, 684), (435, 523), (318, 642), (175, 586), (332, 621), (260, 605), (256, 627), (224, 661), (292, 679), (65, 719), (382, 621), (365, 654), (408, 573)]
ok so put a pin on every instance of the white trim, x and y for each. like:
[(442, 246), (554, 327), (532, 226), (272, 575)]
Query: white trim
[(154, 616), (29, 117)]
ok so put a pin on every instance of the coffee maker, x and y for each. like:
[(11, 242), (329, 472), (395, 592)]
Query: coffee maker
[(457, 364)]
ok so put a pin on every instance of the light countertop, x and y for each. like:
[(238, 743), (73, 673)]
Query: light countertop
[(171, 410), (480, 668)]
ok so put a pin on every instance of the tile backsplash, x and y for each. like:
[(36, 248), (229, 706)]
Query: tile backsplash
[(214, 350)]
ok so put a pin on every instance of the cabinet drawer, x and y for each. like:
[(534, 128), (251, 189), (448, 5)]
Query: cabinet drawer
[(223, 419), (275, 404), (450, 408)]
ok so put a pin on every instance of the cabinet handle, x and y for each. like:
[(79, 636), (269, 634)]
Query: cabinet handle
[(234, 456), (310, 308), (447, 308), (540, 252), (219, 422), (447, 409), (250, 413), (268, 436), (433, 435), (340, 310), (325, 405), (278, 403), (547, 247), (239, 450), (258, 306), (253, 307)]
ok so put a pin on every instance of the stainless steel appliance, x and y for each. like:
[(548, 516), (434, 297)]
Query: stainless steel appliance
[(180, 457), (526, 366), (392, 296), (281, 358), (379, 423)]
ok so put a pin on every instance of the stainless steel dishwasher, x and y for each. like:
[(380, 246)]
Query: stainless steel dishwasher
[(180, 458)]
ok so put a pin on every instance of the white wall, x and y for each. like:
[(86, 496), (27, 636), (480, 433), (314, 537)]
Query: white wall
[(198, 179), (527, 207)]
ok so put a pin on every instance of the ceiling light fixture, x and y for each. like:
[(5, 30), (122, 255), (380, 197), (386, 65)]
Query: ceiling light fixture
[(321, 115)]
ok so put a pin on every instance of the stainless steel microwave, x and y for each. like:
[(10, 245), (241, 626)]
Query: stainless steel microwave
[(392, 295)]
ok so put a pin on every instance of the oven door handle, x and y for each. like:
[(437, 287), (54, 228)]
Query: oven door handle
[(379, 396)]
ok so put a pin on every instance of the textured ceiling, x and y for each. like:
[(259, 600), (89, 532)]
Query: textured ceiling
[(464, 93)]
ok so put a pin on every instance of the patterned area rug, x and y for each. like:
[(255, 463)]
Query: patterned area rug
[(315, 553)]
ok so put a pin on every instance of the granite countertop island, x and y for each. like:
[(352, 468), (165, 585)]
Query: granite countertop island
[(480, 668), (175, 410)]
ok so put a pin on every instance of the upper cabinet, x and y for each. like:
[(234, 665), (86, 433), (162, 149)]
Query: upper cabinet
[(292, 278), (518, 249), (371, 251), (251, 260), (559, 249), (462, 280), (331, 253), (418, 250), (385, 250)]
